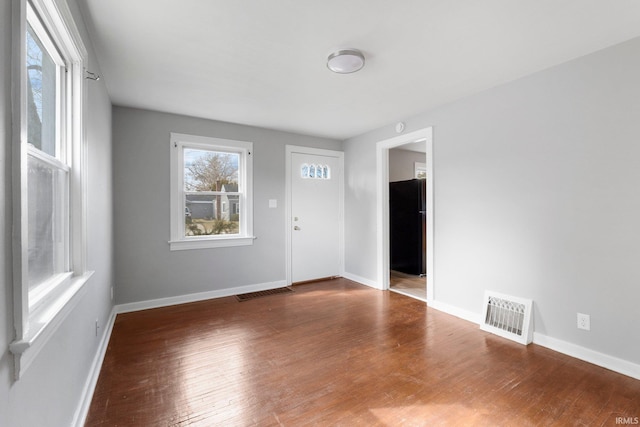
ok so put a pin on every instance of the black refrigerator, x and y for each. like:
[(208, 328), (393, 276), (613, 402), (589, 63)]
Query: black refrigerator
[(407, 213)]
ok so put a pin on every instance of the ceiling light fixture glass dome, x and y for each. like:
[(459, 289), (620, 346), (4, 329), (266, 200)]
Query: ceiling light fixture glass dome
[(345, 61)]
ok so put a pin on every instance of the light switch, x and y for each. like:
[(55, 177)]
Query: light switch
[(273, 203)]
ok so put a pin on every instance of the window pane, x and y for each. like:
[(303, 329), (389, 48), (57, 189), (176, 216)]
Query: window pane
[(206, 170), (46, 197), (211, 215), (41, 95)]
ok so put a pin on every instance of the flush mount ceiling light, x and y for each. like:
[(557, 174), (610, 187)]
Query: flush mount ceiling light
[(345, 61)]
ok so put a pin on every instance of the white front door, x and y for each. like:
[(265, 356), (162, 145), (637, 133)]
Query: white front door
[(315, 217)]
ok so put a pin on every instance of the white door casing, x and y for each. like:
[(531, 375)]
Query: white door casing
[(382, 169), (314, 207)]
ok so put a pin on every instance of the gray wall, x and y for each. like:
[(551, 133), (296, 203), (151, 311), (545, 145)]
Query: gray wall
[(402, 164), (49, 393), (145, 267), (536, 195)]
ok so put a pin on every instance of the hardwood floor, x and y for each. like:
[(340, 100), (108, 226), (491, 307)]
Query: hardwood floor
[(339, 353), (407, 284)]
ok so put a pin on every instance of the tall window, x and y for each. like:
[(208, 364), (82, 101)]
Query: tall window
[(211, 192), (47, 164), (49, 250)]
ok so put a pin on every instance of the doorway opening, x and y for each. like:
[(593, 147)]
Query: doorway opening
[(407, 160)]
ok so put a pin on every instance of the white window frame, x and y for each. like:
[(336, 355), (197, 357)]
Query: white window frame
[(419, 168), (178, 240), (38, 314)]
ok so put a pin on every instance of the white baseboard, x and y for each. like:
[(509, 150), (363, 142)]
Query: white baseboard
[(408, 294), (201, 296), (456, 311), (90, 385), (362, 280), (604, 360), (612, 363)]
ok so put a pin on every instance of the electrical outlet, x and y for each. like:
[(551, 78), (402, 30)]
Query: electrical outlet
[(112, 293), (584, 321), (97, 327)]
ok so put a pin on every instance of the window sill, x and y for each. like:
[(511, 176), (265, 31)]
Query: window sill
[(204, 243), (44, 323)]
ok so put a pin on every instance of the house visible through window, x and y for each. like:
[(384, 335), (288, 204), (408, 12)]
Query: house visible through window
[(211, 185)]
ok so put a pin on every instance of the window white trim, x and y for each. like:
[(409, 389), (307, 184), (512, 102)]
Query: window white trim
[(178, 240), (36, 321)]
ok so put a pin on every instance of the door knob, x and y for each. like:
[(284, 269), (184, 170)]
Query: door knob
[(296, 228)]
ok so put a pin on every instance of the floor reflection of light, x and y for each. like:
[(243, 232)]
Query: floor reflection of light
[(337, 292), (209, 384), (432, 414)]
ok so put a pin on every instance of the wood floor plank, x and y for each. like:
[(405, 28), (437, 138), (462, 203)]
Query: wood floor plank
[(338, 353)]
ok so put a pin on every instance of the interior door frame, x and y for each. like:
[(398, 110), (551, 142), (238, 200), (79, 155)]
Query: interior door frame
[(289, 150), (383, 251)]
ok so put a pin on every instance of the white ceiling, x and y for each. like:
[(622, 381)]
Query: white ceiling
[(263, 63)]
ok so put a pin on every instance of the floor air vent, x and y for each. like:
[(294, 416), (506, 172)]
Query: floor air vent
[(253, 295), (507, 316)]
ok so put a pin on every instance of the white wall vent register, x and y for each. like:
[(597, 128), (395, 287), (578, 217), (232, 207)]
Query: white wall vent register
[(508, 317)]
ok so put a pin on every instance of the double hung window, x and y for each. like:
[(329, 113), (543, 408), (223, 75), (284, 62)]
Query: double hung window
[(48, 167), (211, 192), (47, 163)]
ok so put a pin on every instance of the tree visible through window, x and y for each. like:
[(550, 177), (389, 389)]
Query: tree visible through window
[(214, 190), (42, 76), (210, 185)]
